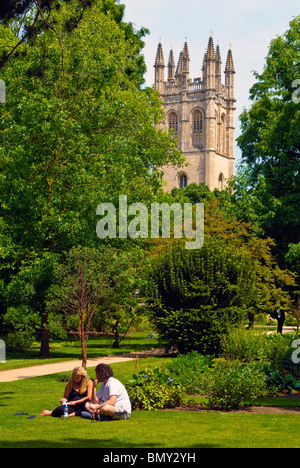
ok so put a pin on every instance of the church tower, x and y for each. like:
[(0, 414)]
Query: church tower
[(201, 114)]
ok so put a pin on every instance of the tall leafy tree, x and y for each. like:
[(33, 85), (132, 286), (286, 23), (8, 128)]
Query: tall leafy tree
[(76, 130), (270, 139)]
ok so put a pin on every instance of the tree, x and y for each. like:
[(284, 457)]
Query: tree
[(197, 295), (76, 130), (30, 18), (81, 287), (25, 293), (270, 139), (121, 305)]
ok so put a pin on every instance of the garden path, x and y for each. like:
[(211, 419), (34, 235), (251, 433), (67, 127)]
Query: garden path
[(66, 366)]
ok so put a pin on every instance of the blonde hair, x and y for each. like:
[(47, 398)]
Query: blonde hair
[(84, 381)]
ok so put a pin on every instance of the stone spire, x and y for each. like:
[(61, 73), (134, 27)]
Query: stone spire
[(183, 67), (159, 69), (159, 61), (171, 66), (218, 65), (229, 75), (229, 63), (210, 65), (210, 49)]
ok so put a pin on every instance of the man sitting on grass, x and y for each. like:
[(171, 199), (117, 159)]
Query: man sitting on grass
[(111, 401)]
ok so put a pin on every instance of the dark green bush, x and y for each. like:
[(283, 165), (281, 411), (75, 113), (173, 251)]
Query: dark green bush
[(196, 295)]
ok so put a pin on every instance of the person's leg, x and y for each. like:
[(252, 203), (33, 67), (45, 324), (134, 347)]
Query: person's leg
[(90, 407), (86, 414), (58, 412), (109, 413), (108, 410), (46, 413)]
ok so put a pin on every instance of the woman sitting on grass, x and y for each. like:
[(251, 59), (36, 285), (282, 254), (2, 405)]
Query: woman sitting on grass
[(78, 391)]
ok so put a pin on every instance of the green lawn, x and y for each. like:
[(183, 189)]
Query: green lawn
[(162, 429)]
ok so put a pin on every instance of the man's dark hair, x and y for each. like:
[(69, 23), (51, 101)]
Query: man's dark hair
[(104, 370)]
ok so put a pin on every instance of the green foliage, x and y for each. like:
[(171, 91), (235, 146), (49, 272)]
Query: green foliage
[(293, 257), (153, 389), (279, 350), (197, 295), (270, 140), (281, 381), (244, 345), (18, 341), (232, 382), (76, 130), (187, 370), (250, 346)]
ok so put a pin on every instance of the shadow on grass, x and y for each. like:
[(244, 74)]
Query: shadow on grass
[(125, 448), (5, 397)]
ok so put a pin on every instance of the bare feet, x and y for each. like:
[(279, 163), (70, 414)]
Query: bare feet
[(46, 413)]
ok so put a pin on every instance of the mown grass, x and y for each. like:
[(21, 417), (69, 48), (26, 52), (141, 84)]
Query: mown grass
[(162, 429)]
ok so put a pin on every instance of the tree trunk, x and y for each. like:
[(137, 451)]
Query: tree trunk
[(83, 341), (116, 343), (83, 355)]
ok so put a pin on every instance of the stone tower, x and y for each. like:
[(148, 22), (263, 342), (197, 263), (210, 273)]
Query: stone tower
[(201, 114)]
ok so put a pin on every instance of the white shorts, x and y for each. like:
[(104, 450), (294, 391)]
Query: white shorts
[(121, 413)]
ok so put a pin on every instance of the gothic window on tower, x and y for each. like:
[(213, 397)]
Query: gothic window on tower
[(197, 129), (183, 180), (221, 182), (173, 122)]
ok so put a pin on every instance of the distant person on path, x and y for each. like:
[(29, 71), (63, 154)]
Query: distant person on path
[(280, 320), (78, 391), (111, 401), (278, 315)]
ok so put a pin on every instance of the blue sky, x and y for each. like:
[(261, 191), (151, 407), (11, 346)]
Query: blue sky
[(248, 26)]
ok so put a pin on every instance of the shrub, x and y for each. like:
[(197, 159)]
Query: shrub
[(231, 383), (153, 389), (244, 345), (18, 342), (154, 396), (188, 370), (279, 348)]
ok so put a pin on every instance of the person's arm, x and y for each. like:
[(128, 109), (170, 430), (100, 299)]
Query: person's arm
[(64, 400), (95, 398), (111, 402)]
